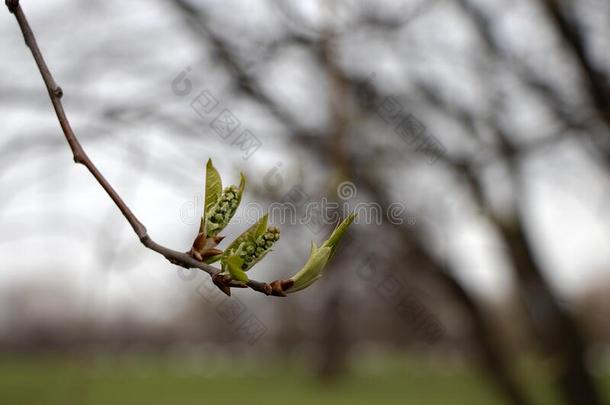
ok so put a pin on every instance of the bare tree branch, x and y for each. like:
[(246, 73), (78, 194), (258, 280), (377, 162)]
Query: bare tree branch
[(81, 157)]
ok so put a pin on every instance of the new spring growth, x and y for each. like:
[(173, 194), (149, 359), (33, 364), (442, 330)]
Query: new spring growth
[(248, 249), (252, 252), (252, 245), (221, 213), (318, 259), (218, 210), (219, 207)]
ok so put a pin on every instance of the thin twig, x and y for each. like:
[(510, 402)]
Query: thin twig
[(80, 157)]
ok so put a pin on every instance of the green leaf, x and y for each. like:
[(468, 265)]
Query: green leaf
[(249, 235), (335, 237), (262, 226), (233, 265), (312, 270), (213, 190), (319, 258), (241, 188)]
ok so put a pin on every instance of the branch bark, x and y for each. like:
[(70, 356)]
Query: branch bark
[(81, 157)]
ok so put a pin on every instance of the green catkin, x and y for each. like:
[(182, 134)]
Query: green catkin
[(221, 213), (252, 251)]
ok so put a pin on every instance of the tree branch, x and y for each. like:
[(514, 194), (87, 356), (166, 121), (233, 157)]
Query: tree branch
[(81, 157)]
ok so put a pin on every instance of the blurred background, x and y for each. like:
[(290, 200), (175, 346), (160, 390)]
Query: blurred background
[(472, 137)]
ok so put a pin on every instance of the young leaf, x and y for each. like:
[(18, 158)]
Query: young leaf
[(335, 237), (213, 190), (262, 226), (240, 189), (242, 185), (312, 270), (233, 265), (319, 258), (249, 235)]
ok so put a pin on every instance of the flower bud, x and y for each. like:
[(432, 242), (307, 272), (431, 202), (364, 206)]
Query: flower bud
[(220, 214), (252, 252)]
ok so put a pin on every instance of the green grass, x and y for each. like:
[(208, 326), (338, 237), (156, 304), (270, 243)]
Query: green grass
[(154, 380)]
